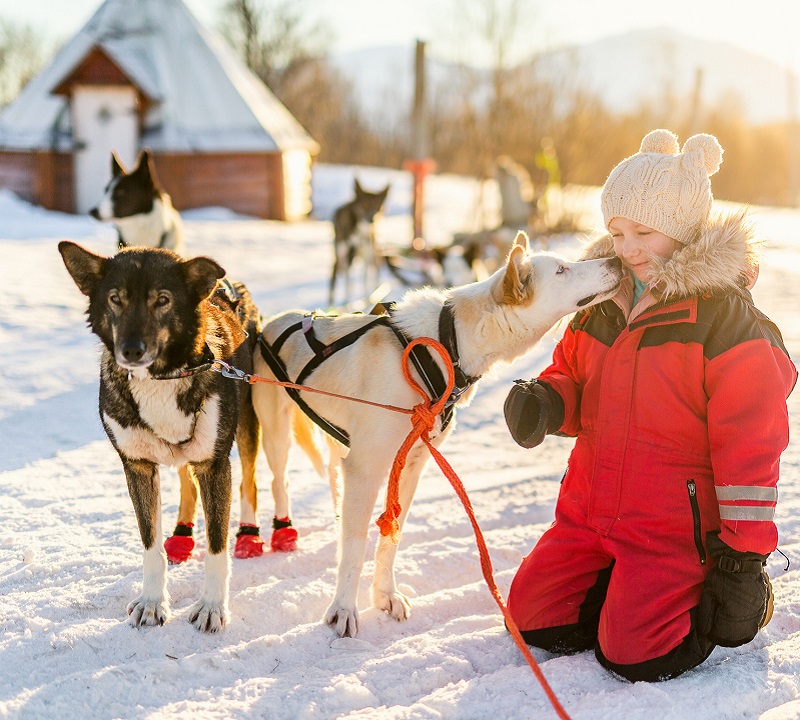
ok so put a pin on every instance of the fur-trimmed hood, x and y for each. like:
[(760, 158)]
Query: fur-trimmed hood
[(724, 257)]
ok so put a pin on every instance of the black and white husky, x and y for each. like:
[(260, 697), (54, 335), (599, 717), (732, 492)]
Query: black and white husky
[(139, 208), (163, 321)]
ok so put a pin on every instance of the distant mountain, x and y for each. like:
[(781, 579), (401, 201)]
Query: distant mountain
[(624, 71)]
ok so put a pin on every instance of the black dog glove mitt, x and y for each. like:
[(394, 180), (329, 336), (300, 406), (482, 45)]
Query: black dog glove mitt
[(533, 409), (737, 596)]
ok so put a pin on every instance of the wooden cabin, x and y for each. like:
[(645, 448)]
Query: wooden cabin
[(145, 73)]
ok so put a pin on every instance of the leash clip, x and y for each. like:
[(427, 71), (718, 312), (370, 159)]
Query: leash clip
[(229, 371)]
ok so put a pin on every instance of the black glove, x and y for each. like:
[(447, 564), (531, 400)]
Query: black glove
[(533, 409), (737, 596)]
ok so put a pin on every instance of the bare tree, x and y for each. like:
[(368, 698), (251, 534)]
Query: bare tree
[(21, 57), (274, 37), (496, 33), (281, 43)]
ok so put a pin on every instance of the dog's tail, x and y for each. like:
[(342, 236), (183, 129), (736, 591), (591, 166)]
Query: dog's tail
[(306, 437)]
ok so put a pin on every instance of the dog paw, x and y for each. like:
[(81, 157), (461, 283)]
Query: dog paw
[(343, 620), (143, 612), (209, 617), (283, 539), (248, 546), (394, 603), (179, 548)]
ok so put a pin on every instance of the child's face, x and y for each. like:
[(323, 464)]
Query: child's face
[(635, 243)]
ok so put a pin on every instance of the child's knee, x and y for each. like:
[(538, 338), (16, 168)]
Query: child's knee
[(688, 654), (562, 639)]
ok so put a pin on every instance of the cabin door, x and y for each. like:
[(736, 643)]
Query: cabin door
[(104, 118)]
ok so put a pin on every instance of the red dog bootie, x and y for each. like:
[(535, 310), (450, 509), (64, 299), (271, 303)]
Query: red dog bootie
[(284, 536), (180, 545), (248, 541)]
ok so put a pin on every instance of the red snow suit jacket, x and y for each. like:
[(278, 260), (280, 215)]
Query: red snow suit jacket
[(680, 413)]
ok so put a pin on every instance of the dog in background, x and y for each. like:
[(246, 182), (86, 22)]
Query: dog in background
[(441, 266), (460, 264), (354, 237), (163, 322), (495, 320), (139, 208)]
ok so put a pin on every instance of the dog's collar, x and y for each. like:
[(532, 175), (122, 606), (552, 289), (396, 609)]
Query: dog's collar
[(207, 362), (447, 336)]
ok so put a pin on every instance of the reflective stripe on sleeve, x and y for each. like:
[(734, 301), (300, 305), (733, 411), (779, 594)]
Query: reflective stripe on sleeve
[(746, 512), (730, 493)]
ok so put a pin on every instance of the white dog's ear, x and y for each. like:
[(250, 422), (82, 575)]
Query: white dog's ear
[(512, 290), (522, 241)]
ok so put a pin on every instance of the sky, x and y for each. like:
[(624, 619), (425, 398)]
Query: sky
[(765, 28)]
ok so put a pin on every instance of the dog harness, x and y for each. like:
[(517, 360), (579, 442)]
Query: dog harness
[(424, 363)]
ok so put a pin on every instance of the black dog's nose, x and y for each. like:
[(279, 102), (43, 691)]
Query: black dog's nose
[(615, 263), (94, 213), (133, 350)]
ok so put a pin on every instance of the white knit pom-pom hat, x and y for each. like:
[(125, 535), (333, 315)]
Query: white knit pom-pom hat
[(663, 187)]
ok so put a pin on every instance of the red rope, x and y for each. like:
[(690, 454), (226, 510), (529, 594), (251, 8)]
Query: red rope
[(423, 421), (423, 418)]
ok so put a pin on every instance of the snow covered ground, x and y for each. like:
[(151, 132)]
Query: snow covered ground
[(70, 555)]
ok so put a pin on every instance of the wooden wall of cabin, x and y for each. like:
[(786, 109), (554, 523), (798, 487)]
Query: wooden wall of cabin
[(251, 183), (43, 178)]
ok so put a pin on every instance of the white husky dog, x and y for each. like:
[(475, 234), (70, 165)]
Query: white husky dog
[(495, 320)]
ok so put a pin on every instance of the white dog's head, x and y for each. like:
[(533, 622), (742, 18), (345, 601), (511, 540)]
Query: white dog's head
[(552, 286)]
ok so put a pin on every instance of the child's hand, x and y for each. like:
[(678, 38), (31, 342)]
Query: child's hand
[(532, 410), (737, 597)]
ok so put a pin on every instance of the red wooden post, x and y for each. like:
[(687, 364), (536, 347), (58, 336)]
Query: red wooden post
[(419, 169), (420, 164)]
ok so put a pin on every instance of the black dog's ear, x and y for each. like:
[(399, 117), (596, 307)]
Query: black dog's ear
[(201, 275), (383, 193), (116, 166), (145, 169), (85, 267)]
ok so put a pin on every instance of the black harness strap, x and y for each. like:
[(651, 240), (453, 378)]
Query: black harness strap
[(425, 365), (323, 352), (279, 371), (447, 336), (284, 336)]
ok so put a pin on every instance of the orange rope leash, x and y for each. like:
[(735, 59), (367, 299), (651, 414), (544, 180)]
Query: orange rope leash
[(423, 418), (253, 379)]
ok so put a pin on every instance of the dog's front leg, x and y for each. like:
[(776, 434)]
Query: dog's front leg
[(361, 485), (210, 612), (384, 592), (180, 544), (152, 606)]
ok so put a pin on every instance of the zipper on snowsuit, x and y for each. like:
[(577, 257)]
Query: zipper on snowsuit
[(698, 535)]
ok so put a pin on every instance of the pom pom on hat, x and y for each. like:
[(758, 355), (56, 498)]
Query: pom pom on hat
[(706, 151), (660, 141), (664, 188)]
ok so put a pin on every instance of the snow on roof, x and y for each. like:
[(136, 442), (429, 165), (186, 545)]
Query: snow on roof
[(204, 99)]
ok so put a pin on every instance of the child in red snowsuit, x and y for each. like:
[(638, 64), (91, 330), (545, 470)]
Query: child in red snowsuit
[(676, 392)]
